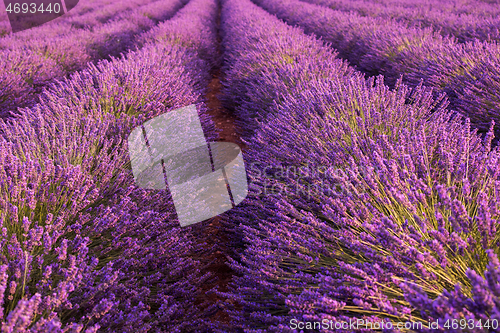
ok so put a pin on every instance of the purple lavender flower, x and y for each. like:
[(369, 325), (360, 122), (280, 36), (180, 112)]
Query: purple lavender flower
[(103, 255), (411, 199)]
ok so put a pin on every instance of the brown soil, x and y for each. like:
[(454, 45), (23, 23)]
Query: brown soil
[(223, 119), (213, 232)]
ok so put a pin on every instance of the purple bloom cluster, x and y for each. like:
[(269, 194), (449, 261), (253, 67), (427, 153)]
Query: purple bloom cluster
[(480, 8), (83, 248), (465, 26), (198, 35), (380, 46), (410, 230), (29, 63), (269, 63), (89, 14)]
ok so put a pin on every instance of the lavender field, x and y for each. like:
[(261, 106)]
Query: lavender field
[(369, 131)]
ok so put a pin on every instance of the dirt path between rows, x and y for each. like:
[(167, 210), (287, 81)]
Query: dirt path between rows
[(224, 119), (213, 231)]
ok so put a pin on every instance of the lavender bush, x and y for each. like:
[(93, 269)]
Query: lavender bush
[(29, 63), (407, 226), (378, 46), (439, 16), (258, 74), (480, 8), (105, 12), (84, 249), (199, 35)]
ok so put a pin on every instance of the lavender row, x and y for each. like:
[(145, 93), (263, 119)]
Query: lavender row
[(26, 68), (365, 202), (465, 27), (197, 33), (252, 69), (105, 13), (100, 13), (475, 7), (466, 72), (84, 249)]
